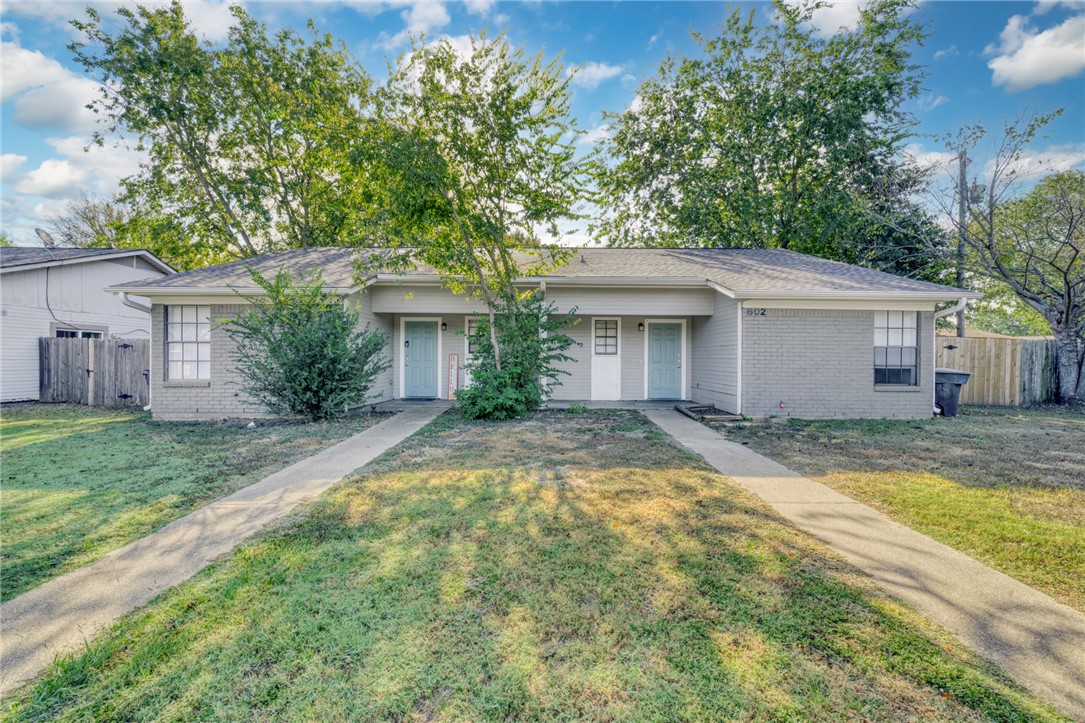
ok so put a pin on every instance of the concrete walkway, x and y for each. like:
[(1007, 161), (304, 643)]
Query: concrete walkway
[(60, 615), (1035, 640)]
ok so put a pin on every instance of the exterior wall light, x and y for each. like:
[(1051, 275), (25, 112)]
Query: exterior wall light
[(640, 326), (444, 326)]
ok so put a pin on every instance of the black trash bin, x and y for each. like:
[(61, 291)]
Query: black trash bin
[(947, 389)]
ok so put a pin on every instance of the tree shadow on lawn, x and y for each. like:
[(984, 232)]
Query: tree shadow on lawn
[(79, 482), (448, 588)]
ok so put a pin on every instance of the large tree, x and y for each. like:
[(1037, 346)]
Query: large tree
[(248, 144), (773, 136), (1036, 245), (475, 155)]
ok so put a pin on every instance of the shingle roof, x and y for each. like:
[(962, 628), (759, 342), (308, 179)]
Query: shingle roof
[(740, 271), (15, 256)]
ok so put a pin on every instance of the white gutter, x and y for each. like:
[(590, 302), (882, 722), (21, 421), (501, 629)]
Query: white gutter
[(134, 304), (959, 306), (213, 290)]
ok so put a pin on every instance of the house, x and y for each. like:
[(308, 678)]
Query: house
[(755, 332), (61, 292)]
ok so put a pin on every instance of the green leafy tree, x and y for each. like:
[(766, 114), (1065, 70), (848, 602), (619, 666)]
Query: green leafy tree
[(775, 136), (5, 240), (299, 351), (248, 145), (533, 343), (475, 156)]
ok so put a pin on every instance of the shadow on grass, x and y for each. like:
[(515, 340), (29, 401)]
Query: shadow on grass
[(565, 584)]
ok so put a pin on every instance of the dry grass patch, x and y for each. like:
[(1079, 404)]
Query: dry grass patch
[(562, 567)]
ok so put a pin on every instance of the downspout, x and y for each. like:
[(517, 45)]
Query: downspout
[(147, 310)]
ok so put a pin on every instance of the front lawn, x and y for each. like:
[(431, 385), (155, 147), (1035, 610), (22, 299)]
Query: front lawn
[(566, 566), (79, 482), (1005, 486)]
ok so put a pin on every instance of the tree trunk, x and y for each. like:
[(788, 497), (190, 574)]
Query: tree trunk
[(1070, 358)]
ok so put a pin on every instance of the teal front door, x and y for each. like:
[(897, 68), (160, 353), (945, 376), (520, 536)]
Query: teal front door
[(664, 361), (420, 359)]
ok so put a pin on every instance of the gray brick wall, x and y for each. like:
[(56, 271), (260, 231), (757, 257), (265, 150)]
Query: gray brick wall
[(819, 363), (217, 398)]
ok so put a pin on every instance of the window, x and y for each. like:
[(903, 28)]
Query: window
[(895, 350), (472, 329), (188, 342), (77, 334), (606, 337)]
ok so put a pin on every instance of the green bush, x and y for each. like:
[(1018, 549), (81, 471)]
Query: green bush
[(299, 351), (531, 343)]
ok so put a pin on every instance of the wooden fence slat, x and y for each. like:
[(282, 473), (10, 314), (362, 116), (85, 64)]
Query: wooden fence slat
[(116, 367), (1004, 371)]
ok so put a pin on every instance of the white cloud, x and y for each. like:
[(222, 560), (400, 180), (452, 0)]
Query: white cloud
[(10, 163), (45, 93), (653, 40), (595, 135), (950, 52), (931, 101), (22, 69), (479, 7), (61, 105), (1035, 163), (210, 19), (1026, 57), (591, 74), (636, 104), (106, 164), (933, 160), (53, 179), (420, 18), (1043, 7)]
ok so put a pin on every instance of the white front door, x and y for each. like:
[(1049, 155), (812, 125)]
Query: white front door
[(606, 359)]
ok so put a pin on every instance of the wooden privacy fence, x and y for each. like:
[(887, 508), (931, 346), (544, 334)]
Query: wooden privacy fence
[(97, 372), (1005, 372)]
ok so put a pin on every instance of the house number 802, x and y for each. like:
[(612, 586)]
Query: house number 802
[(755, 312)]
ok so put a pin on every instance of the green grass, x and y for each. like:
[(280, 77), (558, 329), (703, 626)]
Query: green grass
[(1005, 486), (562, 567), (79, 482)]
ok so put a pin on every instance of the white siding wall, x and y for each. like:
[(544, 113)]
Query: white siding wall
[(715, 356), (420, 300), (76, 297)]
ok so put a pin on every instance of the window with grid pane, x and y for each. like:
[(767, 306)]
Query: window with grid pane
[(472, 329), (896, 352), (606, 337), (188, 342)]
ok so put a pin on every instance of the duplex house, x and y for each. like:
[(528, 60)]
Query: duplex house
[(755, 332), (60, 292)]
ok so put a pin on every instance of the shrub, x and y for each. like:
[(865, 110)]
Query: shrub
[(299, 351), (531, 344)]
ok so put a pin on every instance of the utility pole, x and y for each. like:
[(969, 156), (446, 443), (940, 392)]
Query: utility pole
[(962, 227)]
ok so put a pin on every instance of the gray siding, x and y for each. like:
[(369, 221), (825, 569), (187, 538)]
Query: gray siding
[(577, 384), (615, 301), (383, 387), (76, 297), (819, 363), (715, 356), (424, 300)]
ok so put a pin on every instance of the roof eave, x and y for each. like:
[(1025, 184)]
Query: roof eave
[(152, 291), (151, 258), (947, 295)]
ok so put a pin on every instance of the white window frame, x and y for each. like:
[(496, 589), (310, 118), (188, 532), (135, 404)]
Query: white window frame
[(683, 358), (904, 329), (197, 344), (80, 332)]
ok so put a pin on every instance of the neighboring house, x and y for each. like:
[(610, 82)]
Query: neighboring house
[(61, 292), (755, 332)]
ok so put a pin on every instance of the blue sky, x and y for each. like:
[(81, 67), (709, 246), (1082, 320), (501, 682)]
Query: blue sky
[(987, 62)]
